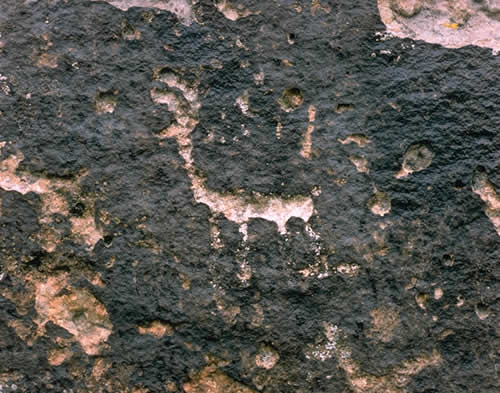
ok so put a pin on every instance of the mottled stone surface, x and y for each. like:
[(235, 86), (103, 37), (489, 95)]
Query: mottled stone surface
[(259, 196)]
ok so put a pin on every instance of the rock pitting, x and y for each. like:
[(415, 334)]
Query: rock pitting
[(247, 196)]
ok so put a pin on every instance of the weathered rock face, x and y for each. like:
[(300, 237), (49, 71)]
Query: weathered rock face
[(452, 23), (225, 196)]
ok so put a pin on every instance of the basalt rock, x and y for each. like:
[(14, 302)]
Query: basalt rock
[(264, 196)]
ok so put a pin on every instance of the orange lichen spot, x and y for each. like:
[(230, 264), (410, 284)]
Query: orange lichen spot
[(451, 25)]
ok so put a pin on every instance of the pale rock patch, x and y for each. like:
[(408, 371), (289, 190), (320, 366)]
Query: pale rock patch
[(181, 8), (450, 23), (75, 310)]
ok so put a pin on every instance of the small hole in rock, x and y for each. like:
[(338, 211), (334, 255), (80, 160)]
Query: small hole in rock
[(108, 239), (291, 99), (78, 209), (341, 108)]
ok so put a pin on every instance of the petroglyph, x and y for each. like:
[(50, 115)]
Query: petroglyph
[(450, 23), (236, 207)]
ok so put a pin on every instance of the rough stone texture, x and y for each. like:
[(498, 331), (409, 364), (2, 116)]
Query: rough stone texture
[(452, 23), (259, 196)]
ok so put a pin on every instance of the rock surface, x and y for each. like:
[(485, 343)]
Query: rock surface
[(223, 196)]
